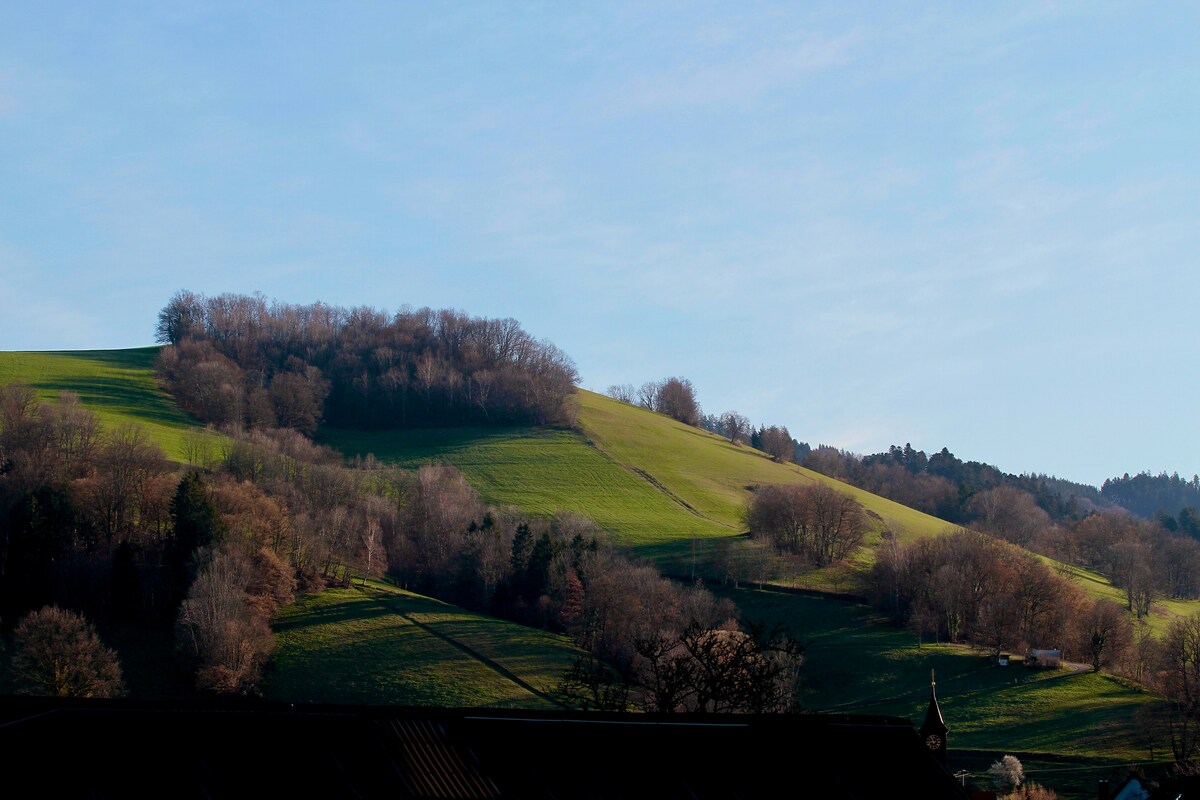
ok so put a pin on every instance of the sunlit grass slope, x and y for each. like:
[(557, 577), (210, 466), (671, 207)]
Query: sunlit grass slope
[(654, 482), (708, 473), (541, 471), (379, 645), (118, 385)]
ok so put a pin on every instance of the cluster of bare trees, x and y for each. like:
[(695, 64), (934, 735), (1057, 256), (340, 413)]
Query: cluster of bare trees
[(969, 587), (812, 520), (655, 643), (1139, 556), (224, 623), (239, 360), (102, 522), (697, 669), (70, 494), (777, 442), (99, 521), (675, 397), (774, 440)]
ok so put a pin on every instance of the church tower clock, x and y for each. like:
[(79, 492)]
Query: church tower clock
[(933, 730)]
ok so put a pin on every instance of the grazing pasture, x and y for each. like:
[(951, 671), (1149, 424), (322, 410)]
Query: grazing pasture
[(374, 644)]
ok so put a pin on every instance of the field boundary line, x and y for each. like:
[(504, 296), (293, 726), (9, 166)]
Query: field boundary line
[(503, 671), (653, 481)]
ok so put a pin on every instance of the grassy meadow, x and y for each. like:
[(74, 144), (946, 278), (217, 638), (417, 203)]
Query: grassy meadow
[(660, 486), (1068, 728), (378, 645), (118, 385), (708, 473), (541, 471)]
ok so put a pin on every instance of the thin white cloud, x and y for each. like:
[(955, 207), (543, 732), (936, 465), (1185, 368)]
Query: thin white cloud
[(734, 82)]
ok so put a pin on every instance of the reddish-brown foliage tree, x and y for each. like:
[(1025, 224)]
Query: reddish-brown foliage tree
[(59, 654)]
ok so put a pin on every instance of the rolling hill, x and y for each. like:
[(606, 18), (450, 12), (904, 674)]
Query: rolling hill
[(663, 488), (666, 490)]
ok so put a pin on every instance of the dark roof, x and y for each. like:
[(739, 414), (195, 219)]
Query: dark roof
[(128, 749)]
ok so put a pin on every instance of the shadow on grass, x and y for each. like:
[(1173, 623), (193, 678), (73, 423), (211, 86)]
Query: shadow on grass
[(349, 610), (414, 445), (133, 358), (133, 399)]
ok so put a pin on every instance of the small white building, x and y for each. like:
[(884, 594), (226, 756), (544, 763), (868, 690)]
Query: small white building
[(1044, 658)]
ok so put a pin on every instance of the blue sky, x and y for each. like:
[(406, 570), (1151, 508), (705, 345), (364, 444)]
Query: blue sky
[(944, 224)]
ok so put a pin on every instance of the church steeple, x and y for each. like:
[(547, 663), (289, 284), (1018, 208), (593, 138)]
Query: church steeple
[(933, 730)]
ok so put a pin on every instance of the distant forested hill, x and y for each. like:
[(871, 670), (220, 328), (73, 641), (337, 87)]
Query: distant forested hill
[(1148, 495)]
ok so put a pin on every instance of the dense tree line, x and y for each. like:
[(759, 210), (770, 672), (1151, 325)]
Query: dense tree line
[(946, 486), (1140, 556), (1146, 558), (969, 587), (1150, 495), (101, 523), (239, 360)]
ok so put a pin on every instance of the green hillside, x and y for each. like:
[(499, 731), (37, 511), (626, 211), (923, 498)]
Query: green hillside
[(541, 471), (379, 645), (658, 484), (118, 385), (662, 487), (665, 489), (856, 662)]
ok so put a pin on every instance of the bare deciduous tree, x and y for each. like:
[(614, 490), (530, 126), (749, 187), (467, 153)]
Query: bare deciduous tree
[(218, 629), (777, 443), (676, 397), (1178, 656), (814, 520), (735, 426), (1007, 772), (623, 392), (59, 654), (1104, 633), (647, 394)]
